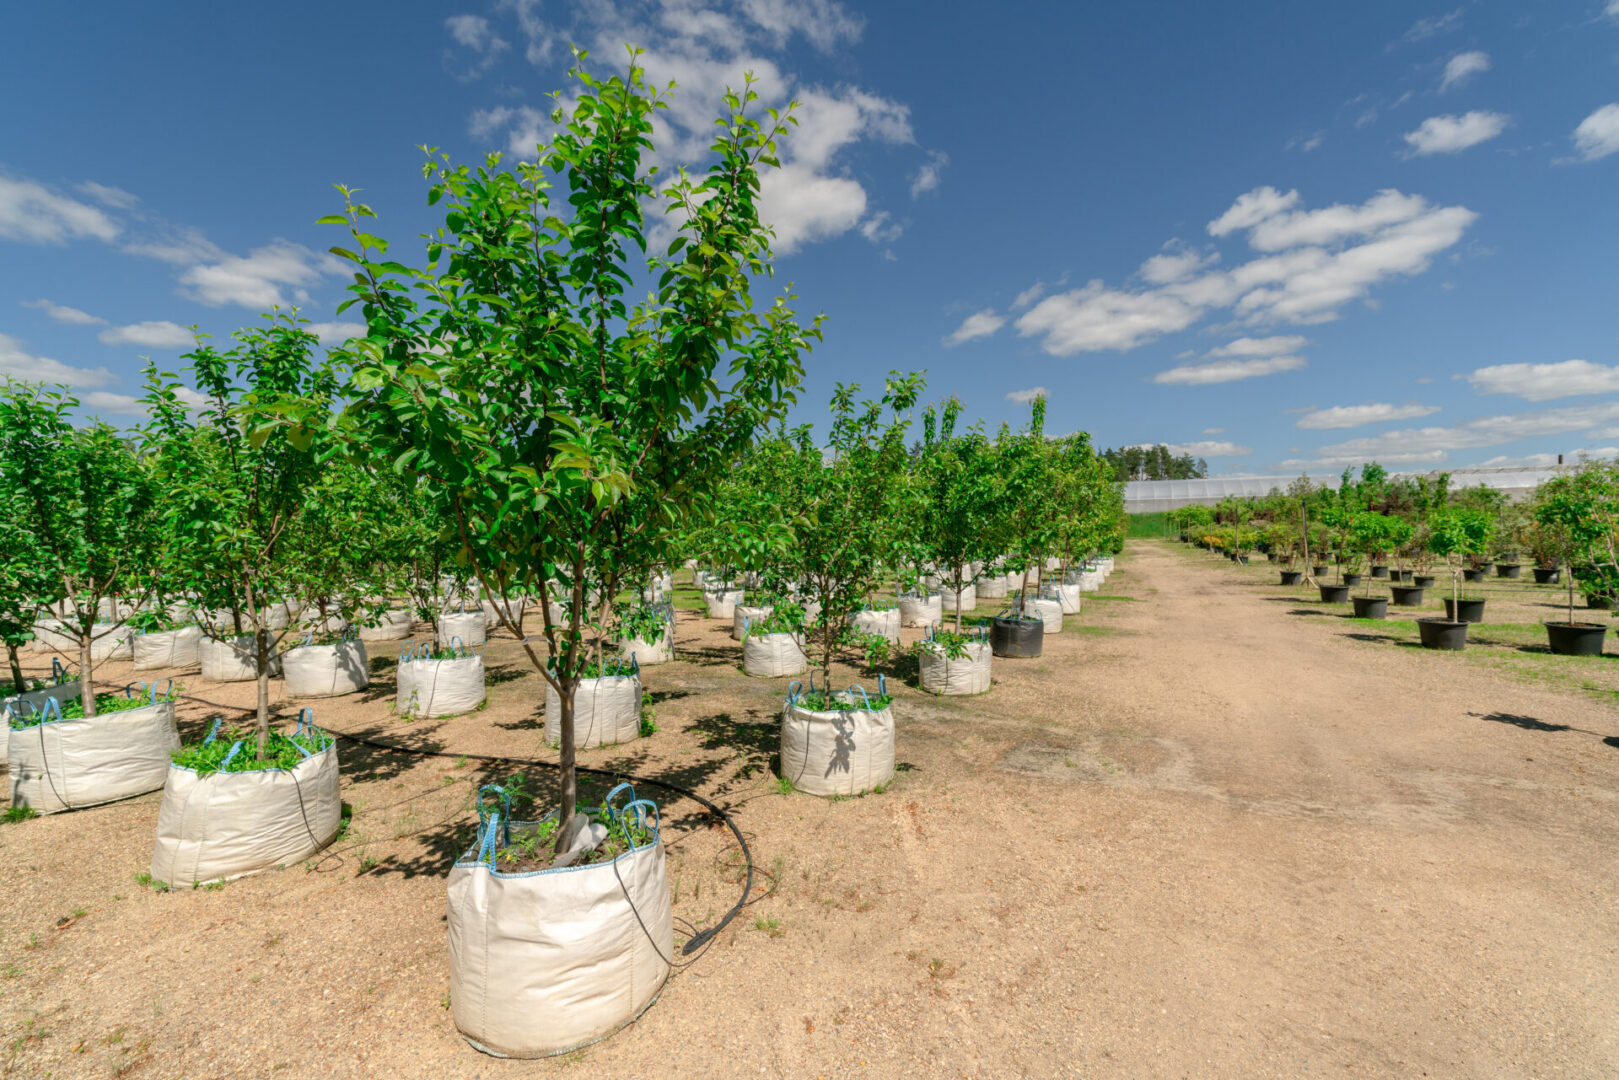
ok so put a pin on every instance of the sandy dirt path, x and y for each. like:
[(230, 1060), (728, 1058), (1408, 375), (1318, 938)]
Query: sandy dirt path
[(1204, 835)]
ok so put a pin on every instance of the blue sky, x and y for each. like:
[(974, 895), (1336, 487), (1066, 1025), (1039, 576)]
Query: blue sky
[(1283, 236)]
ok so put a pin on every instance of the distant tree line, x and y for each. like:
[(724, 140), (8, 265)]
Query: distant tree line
[(1154, 463)]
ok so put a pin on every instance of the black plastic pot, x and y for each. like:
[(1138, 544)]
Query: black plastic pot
[(1547, 575), (1442, 634), (1292, 577), (1270, 556), (1407, 595), (1334, 594), (1425, 580), (1371, 607), (1599, 603), (1399, 575), (1507, 569), (1380, 571), (1351, 578), (1467, 610), (1319, 571), (1576, 639), (1472, 575), (1017, 638), (1242, 560)]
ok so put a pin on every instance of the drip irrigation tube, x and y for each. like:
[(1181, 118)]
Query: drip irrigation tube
[(698, 939)]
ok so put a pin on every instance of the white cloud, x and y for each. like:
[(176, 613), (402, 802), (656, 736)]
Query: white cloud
[(22, 365), (1177, 265), (179, 245), (153, 334), (63, 314), (1464, 66), (1208, 449), (879, 228), (825, 23), (1544, 382), (1028, 296), (1023, 397), (1214, 431), (256, 280), (1249, 210), (1432, 26), (106, 195), (1221, 371), (478, 40), (1306, 143), (336, 333), (980, 324), (102, 401), (1598, 134), (1096, 317), (1348, 416), (1264, 346), (33, 214), (1433, 444), (1451, 134), (927, 176)]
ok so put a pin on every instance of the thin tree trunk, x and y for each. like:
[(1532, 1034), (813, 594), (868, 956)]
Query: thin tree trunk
[(16, 669), (570, 775), (958, 599), (261, 653), (87, 688)]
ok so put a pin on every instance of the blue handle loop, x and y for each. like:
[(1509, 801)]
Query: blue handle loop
[(129, 688), (58, 672), (11, 715), (635, 665), (235, 748), (306, 723), (882, 685), (607, 803), (406, 655), (863, 695), (167, 693), (488, 829), (456, 644), (52, 707), (792, 691), (491, 820), (309, 637), (640, 807), (812, 681), (213, 730)]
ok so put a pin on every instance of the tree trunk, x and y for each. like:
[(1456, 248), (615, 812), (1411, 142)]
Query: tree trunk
[(16, 669), (87, 688), (569, 779), (261, 656), (958, 599)]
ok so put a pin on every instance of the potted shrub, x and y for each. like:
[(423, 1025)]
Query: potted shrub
[(326, 665), (1458, 535), (951, 663), (443, 681), (646, 634), (837, 743), (59, 758), (233, 807), (1574, 518), (774, 646), (1015, 635)]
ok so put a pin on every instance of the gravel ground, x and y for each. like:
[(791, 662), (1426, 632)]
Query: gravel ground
[(1211, 832)]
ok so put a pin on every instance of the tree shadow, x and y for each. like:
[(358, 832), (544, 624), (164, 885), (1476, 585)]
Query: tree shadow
[(1309, 611), (1613, 741), (1528, 723)]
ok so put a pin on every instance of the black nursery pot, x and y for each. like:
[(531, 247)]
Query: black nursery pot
[(1547, 575), (1334, 594), (1351, 578), (1425, 580), (1242, 560), (1442, 634), (1371, 607), (1508, 570), (1270, 556), (1319, 571), (1017, 638), (1292, 577), (1407, 595), (1472, 575), (1464, 610), (1399, 575), (1380, 571), (1576, 639)]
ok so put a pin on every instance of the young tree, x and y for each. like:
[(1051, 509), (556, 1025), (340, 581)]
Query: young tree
[(87, 499), (1454, 533), (960, 500), (560, 427), (26, 583)]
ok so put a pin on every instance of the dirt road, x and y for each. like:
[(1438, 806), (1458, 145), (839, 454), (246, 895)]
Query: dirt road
[(1203, 836)]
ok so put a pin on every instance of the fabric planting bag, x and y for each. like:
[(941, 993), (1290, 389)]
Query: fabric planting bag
[(446, 685), (545, 962), (232, 661), (920, 611), (167, 648), (1068, 597), (722, 602), (63, 764), (394, 624), (843, 751), (992, 587), (771, 656), (938, 673), (331, 670), (606, 710), (884, 622), (969, 597), (1048, 610), (642, 652), (58, 686), (743, 614), (225, 825), (469, 626), (110, 641)]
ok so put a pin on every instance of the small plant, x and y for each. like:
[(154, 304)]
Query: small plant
[(280, 752), (146, 880), (784, 786), (18, 814), (649, 719), (769, 927)]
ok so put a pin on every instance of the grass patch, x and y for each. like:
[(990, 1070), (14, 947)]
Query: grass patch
[(20, 813), (280, 752)]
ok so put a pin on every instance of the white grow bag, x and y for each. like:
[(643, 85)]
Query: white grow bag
[(228, 824), (743, 614), (61, 689), (771, 656), (547, 961), (884, 622), (947, 598), (916, 611), (448, 686), (65, 764), (232, 661), (939, 674), (606, 711), (1049, 611), (167, 648), (993, 587), (643, 652), (469, 626), (395, 623), (836, 752), (722, 602), (1068, 598), (326, 670)]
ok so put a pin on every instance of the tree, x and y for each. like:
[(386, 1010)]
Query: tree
[(89, 502), (26, 583), (562, 430), (961, 510), (1575, 513), (234, 496)]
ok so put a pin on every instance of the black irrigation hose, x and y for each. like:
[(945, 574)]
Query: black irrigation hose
[(699, 938)]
